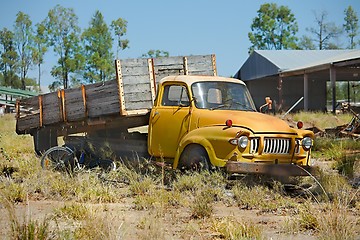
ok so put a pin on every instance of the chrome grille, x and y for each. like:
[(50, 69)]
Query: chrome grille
[(254, 145), (276, 146)]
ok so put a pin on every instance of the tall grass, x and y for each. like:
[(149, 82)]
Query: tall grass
[(320, 119), (159, 192)]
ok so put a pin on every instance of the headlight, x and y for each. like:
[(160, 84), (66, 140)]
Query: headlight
[(307, 143), (243, 141)]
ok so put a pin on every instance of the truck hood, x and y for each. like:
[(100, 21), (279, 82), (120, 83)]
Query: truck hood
[(254, 121)]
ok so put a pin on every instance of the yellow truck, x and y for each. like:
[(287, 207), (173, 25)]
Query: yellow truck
[(196, 119)]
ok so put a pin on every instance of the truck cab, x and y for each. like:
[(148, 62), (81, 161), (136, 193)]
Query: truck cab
[(209, 121)]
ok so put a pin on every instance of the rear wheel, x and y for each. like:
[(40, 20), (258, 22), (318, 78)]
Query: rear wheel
[(103, 164), (194, 157), (58, 159)]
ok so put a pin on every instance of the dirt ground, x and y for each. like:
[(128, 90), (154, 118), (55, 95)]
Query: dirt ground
[(173, 224)]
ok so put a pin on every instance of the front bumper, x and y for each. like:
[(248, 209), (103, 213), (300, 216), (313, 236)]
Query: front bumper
[(269, 169)]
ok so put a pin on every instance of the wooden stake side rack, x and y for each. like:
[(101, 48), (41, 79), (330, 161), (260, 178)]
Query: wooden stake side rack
[(122, 103)]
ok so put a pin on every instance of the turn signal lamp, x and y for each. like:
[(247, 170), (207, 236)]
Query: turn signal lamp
[(300, 124)]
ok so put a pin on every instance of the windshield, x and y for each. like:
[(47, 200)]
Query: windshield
[(222, 95)]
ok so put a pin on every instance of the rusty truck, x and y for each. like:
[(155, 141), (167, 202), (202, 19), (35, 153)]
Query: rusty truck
[(195, 119)]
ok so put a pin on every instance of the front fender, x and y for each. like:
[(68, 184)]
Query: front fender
[(204, 137)]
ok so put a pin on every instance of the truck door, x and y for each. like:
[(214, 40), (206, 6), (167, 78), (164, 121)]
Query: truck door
[(169, 120)]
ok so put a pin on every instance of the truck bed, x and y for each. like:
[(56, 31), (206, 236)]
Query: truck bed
[(124, 101)]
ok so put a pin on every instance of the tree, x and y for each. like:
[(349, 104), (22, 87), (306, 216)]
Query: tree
[(40, 49), (324, 32), (351, 25), (97, 47), (273, 28), (63, 32), (119, 27), (9, 58), (155, 54), (24, 40), (306, 43)]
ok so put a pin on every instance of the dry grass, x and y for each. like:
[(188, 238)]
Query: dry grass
[(320, 119), (179, 205)]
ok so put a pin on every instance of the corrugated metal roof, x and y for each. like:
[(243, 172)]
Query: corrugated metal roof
[(293, 59), (277, 61)]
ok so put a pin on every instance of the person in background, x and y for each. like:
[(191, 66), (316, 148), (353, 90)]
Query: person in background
[(2, 110)]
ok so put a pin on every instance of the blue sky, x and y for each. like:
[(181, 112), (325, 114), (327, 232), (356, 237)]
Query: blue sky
[(186, 27)]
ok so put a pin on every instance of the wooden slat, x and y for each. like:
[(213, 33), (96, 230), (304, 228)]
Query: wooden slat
[(51, 108)]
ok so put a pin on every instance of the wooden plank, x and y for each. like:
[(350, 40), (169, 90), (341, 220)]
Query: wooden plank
[(28, 122), (133, 62), (134, 71), (74, 104), (168, 61), (51, 109), (133, 80)]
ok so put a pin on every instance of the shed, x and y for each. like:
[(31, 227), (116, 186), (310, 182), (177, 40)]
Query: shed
[(288, 75)]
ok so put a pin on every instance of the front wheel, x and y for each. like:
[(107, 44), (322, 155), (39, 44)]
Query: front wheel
[(194, 157)]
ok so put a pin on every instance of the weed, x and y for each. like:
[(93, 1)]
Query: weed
[(229, 228), (336, 223), (73, 211), (321, 120), (202, 205), (262, 198), (151, 227), (28, 228), (12, 191)]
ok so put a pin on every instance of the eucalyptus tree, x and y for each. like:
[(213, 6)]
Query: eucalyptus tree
[(119, 27), (9, 59), (274, 27), (351, 25), (324, 33), (64, 36), (24, 41), (98, 42), (40, 48)]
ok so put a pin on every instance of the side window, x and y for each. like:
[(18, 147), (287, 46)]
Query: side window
[(175, 95)]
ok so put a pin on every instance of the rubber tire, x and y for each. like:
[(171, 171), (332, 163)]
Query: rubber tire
[(194, 158), (58, 159), (104, 164)]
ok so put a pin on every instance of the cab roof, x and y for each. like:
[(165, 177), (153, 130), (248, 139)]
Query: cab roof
[(190, 79)]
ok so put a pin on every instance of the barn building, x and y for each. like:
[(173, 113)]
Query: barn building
[(287, 76)]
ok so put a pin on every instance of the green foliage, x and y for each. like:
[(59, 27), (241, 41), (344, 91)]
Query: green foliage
[(155, 54), (306, 43), (24, 41), (351, 26), (40, 48), (63, 35), (273, 28), (74, 211), (9, 59), (201, 206), (324, 32), (97, 48), (119, 27)]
